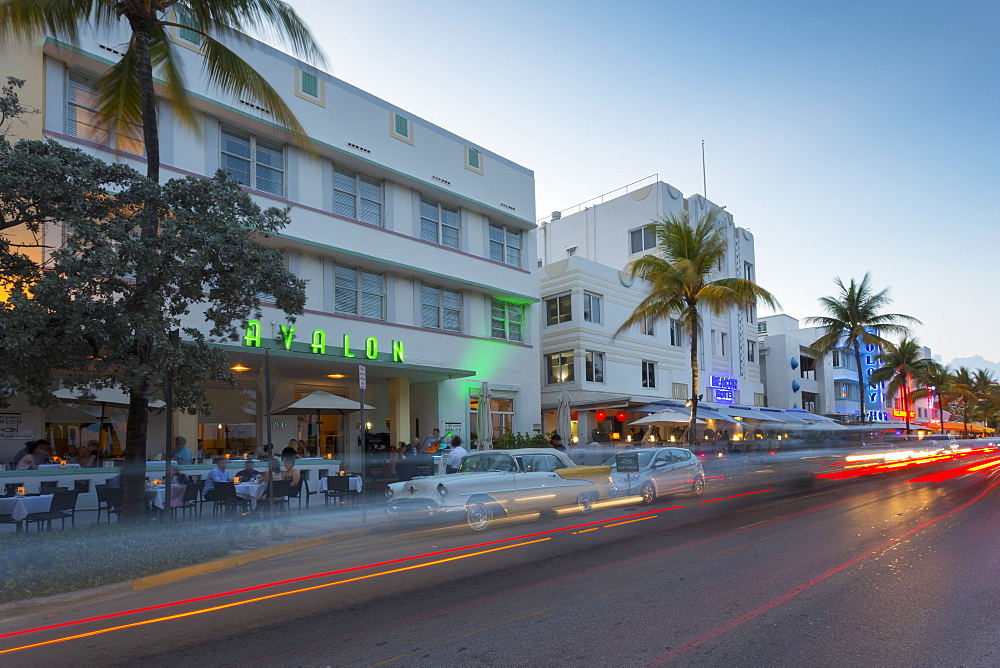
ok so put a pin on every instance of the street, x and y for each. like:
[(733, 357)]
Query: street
[(763, 569)]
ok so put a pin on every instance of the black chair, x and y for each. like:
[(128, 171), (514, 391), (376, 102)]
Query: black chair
[(308, 491), (190, 501), (299, 491), (9, 519), (339, 487), (226, 499), (63, 507), (114, 498), (281, 490), (50, 487)]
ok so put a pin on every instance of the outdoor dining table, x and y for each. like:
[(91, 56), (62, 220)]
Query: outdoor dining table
[(252, 491), (354, 484), (19, 507), (156, 496), (49, 467)]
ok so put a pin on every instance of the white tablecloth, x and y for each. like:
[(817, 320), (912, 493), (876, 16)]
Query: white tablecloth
[(49, 467), (251, 491), (19, 507), (354, 483)]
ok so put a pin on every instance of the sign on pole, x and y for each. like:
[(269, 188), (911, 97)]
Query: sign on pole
[(627, 462), (362, 379)]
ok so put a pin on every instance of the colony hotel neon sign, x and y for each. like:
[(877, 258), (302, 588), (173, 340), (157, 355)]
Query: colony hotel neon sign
[(253, 338)]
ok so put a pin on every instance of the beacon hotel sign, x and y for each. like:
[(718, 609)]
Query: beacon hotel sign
[(318, 344)]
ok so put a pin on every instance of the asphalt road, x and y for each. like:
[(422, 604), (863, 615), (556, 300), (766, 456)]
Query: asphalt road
[(765, 569)]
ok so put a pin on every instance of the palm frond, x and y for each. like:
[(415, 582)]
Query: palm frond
[(23, 19), (121, 101), (164, 59)]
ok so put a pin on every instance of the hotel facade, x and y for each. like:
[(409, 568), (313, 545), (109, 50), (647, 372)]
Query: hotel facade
[(416, 244)]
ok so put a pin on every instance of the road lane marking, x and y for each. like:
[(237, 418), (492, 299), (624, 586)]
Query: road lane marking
[(586, 530), (268, 597), (641, 519)]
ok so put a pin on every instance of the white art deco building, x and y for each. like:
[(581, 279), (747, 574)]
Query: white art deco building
[(417, 246)]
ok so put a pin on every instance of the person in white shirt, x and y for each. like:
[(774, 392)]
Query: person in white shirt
[(453, 460)]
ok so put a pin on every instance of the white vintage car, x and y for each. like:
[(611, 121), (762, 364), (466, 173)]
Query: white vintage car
[(500, 483)]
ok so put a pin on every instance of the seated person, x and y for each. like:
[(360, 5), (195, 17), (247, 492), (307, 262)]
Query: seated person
[(291, 449), (88, 455), (178, 485), (27, 461), (290, 473), (248, 473), (218, 474)]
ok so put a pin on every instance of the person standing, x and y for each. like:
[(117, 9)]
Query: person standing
[(453, 460), (182, 453), (556, 443)]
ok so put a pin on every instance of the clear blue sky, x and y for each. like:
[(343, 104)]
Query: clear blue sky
[(848, 136)]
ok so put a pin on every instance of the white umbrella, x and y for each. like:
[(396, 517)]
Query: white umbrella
[(320, 401), (484, 421), (666, 416), (105, 397), (563, 426), (823, 426)]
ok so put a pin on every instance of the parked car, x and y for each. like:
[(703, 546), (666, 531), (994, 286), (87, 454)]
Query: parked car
[(661, 471), (499, 483)]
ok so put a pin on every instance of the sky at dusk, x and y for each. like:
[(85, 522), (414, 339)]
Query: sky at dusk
[(849, 137)]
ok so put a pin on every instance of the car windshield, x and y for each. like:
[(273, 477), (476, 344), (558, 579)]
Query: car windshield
[(644, 457), (488, 461)]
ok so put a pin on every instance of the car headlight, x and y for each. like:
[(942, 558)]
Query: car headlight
[(442, 490), (388, 492)]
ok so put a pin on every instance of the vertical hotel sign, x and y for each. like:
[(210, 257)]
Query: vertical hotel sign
[(874, 392), (319, 344)]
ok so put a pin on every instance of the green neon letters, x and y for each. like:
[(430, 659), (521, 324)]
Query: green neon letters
[(252, 337), (318, 344)]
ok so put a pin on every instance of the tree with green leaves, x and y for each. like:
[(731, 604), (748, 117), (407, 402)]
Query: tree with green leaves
[(88, 320), (984, 387), (127, 92), (680, 273), (855, 317), (11, 108), (902, 364), (964, 395), (935, 380)]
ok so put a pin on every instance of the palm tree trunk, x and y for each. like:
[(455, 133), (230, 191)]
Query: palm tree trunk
[(144, 70), (861, 379), (695, 327), (134, 458), (940, 413), (906, 404)]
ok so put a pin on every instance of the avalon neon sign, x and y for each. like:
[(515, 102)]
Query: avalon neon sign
[(318, 344)]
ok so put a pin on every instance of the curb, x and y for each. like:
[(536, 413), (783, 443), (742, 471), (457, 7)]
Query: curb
[(250, 556)]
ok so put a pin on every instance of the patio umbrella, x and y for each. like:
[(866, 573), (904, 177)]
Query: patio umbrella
[(484, 421), (105, 397), (563, 426), (666, 415), (319, 401)]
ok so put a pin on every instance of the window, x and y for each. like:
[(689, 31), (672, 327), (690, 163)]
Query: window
[(750, 314), (592, 308), (723, 347), (759, 399), (505, 244), (558, 309), (256, 163), (647, 327), (441, 308), (751, 351), (836, 358), (809, 401), (748, 271), (358, 292), (715, 342), (679, 391), (438, 223), (473, 160), (560, 367), (846, 391), (401, 127), (83, 121), (676, 333), (762, 328), (506, 321), (571, 252), (309, 84), (186, 33), (357, 196), (642, 239), (648, 374), (807, 367), (501, 415), (595, 366)]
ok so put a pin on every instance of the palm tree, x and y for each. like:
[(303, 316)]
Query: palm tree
[(901, 364), (984, 387), (962, 394), (935, 380), (679, 272), (127, 91), (855, 316)]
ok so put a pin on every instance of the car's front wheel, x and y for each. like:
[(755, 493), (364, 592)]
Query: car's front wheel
[(698, 487), (479, 515), (586, 502), (648, 493)]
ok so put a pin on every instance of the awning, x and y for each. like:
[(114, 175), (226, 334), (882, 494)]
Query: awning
[(808, 416), (746, 412), (704, 412), (777, 415)]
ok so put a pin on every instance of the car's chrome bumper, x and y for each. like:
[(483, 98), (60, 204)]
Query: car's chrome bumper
[(420, 508)]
